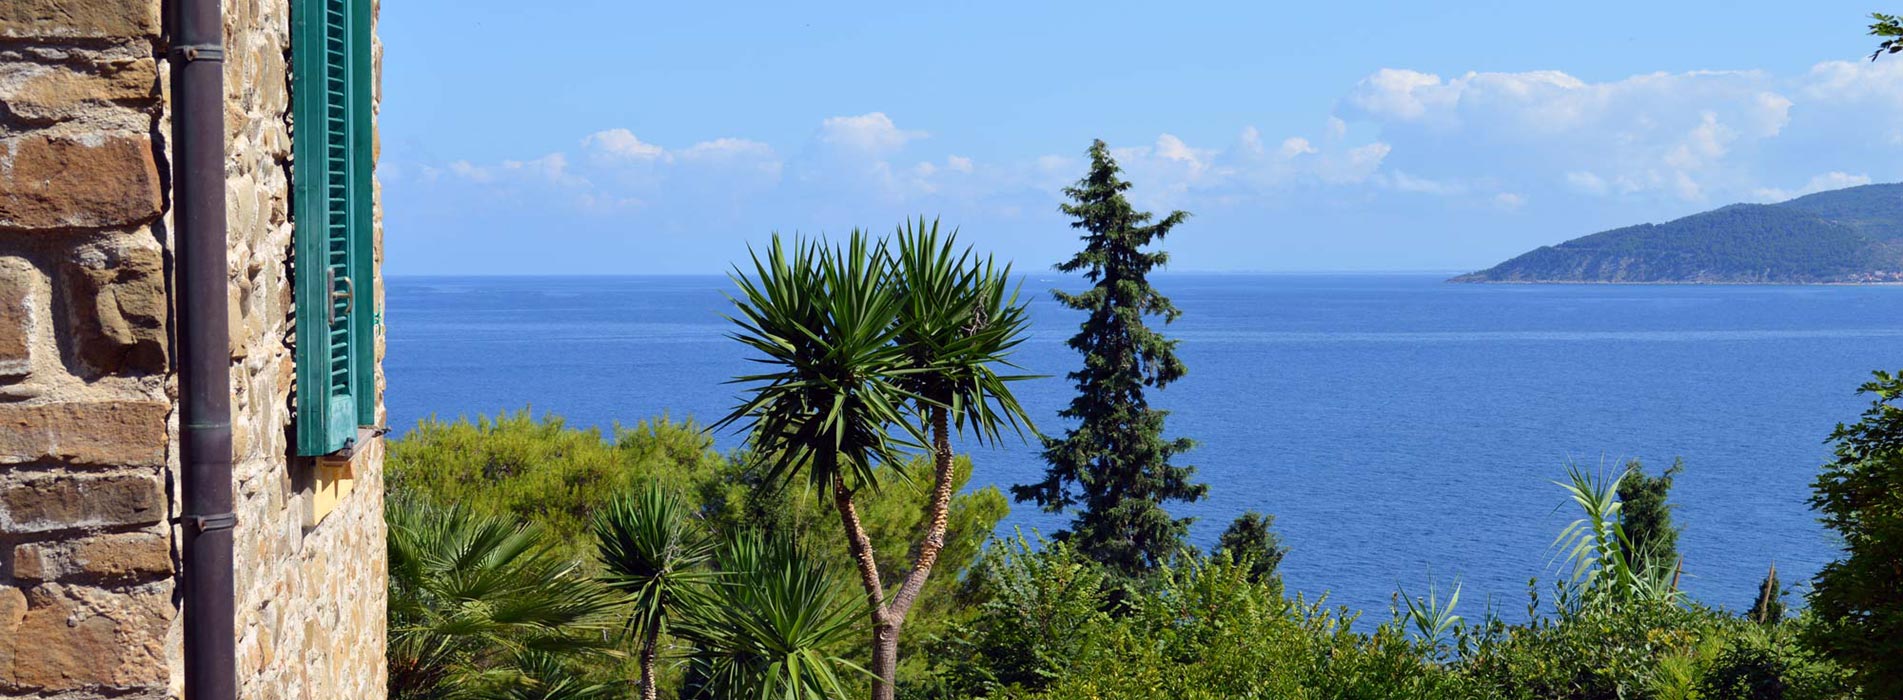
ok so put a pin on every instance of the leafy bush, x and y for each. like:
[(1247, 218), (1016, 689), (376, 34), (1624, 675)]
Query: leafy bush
[(541, 471), (774, 625), (480, 607), (1859, 599)]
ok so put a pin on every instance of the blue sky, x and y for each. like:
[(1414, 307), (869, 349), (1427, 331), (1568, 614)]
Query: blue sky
[(631, 138)]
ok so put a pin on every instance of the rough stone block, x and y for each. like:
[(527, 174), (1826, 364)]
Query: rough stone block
[(50, 183), (100, 433), (79, 18), (17, 314), (50, 94), (60, 501), (117, 300), (114, 557), (62, 638)]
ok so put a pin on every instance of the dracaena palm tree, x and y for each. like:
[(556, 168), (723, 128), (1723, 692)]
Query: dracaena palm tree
[(824, 321), (654, 555), (770, 627), (859, 335), (484, 608), (959, 320)]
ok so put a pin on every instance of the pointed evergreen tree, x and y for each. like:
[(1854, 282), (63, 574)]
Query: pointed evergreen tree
[(1249, 536), (1646, 514), (1115, 463)]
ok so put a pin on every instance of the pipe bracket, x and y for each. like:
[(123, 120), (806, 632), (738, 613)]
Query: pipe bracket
[(208, 523), (199, 52)]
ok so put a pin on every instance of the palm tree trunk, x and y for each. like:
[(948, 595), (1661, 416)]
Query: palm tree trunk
[(885, 632), (648, 691), (938, 517), (888, 619)]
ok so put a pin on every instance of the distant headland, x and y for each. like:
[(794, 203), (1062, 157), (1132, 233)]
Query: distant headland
[(1847, 236)]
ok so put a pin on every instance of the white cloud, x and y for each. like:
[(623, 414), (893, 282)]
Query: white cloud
[(1586, 181), (1479, 143), (1293, 146), (1337, 128), (1818, 183), (1409, 183), (1696, 136), (623, 144), (870, 133)]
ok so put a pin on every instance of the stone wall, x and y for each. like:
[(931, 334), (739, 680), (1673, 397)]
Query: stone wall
[(88, 457), (87, 598), (310, 592)]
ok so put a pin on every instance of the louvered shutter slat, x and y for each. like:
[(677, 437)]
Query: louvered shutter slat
[(331, 175)]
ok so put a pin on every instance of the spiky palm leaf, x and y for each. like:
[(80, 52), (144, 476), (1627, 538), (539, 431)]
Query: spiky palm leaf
[(823, 319), (959, 320), (772, 626), (473, 600), (653, 554)]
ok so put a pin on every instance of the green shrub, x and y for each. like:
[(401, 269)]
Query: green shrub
[(1858, 599), (542, 471)]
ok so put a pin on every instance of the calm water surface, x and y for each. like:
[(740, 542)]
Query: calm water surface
[(1395, 425)]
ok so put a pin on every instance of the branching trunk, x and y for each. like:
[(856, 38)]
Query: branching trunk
[(889, 617), (937, 517)]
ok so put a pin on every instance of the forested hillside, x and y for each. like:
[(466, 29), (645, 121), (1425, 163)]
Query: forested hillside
[(1852, 235)]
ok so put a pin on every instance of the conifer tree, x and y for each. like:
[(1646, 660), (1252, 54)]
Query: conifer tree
[(1249, 536), (1646, 514), (1115, 463)]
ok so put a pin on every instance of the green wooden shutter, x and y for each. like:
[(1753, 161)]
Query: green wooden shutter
[(331, 204)]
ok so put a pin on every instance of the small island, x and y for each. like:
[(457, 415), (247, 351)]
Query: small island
[(1848, 236)]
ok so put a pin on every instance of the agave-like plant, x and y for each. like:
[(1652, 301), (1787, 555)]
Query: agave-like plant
[(770, 627), (483, 608), (654, 555), (1599, 553), (1433, 618)]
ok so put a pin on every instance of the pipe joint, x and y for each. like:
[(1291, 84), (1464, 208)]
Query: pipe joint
[(190, 53), (208, 523)]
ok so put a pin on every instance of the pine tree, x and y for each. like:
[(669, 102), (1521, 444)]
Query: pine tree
[(1646, 515), (1249, 536), (1115, 463)]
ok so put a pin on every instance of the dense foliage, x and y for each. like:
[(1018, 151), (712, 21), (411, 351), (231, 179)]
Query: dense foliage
[(1858, 600), (1890, 27), (481, 607), (1114, 465), (1647, 515), (1847, 235), (519, 469), (1044, 627)]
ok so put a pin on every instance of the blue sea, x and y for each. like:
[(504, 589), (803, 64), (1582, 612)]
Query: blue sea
[(1397, 427)]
